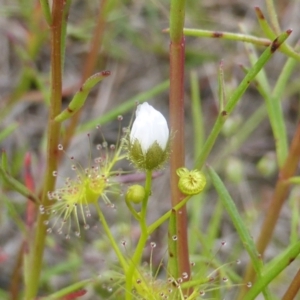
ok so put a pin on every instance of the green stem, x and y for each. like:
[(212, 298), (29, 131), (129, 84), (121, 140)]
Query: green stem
[(148, 185), (227, 36), (285, 48), (111, 238), (167, 215), (136, 258), (36, 256), (132, 210)]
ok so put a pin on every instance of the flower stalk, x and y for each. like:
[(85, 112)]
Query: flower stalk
[(136, 258), (111, 238)]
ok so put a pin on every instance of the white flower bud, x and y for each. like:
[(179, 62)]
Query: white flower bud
[(149, 138)]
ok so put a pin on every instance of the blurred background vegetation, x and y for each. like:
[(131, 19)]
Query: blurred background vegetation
[(135, 49)]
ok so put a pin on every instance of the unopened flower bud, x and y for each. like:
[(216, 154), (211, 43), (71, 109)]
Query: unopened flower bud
[(135, 193), (149, 139), (190, 182)]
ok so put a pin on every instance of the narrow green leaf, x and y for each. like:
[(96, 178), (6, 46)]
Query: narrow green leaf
[(80, 97), (237, 220), (239, 225)]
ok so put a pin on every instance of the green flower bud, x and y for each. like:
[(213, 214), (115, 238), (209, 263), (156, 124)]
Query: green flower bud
[(190, 182), (149, 139), (136, 193)]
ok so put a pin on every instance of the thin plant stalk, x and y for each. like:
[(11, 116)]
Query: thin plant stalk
[(239, 37), (177, 159), (286, 49), (136, 258), (167, 215), (111, 238), (36, 257), (246, 38)]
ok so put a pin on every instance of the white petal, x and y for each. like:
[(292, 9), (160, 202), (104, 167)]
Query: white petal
[(149, 126)]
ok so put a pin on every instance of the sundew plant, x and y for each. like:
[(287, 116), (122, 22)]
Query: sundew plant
[(150, 150)]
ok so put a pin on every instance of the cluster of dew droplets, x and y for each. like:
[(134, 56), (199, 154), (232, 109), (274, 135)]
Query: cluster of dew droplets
[(66, 207), (66, 211)]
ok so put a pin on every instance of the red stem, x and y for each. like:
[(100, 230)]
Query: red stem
[(177, 53)]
